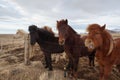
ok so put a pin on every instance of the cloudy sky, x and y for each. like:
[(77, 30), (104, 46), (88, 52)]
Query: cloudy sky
[(19, 14)]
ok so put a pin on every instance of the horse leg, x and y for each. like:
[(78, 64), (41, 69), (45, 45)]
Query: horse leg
[(46, 61), (107, 70), (69, 65), (49, 61), (76, 64), (101, 72), (93, 59), (75, 67), (118, 67), (90, 60)]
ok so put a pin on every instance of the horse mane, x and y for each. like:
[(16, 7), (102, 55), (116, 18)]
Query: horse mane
[(83, 37), (70, 29), (94, 28), (48, 29), (107, 38), (64, 23), (45, 32)]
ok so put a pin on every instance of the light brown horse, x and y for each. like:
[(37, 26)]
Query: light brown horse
[(107, 49)]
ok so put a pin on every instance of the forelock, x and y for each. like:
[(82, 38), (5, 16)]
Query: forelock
[(32, 28)]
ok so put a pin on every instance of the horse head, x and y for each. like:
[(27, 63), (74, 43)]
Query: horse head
[(94, 39), (33, 34), (98, 37), (62, 31)]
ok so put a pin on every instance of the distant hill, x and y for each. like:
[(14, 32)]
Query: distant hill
[(117, 30), (114, 31), (6, 35)]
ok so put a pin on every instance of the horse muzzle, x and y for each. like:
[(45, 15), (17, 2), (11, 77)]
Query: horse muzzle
[(62, 42), (89, 45)]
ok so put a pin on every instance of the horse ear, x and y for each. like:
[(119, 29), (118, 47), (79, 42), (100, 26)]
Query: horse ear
[(103, 27), (66, 21), (57, 21)]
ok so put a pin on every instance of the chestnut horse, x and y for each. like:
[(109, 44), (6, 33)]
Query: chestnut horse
[(73, 44), (47, 41), (107, 49)]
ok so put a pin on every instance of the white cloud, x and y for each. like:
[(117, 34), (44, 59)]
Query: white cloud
[(46, 12)]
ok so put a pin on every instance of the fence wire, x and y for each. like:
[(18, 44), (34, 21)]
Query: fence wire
[(7, 45)]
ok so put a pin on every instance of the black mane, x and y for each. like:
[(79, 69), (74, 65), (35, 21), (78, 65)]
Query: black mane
[(46, 35)]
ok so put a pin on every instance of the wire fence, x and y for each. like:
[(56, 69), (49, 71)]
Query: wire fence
[(7, 45)]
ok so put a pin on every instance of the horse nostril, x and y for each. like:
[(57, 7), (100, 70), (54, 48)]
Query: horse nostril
[(91, 47), (61, 42)]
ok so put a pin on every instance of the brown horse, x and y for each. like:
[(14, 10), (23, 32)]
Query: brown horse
[(107, 49), (73, 44)]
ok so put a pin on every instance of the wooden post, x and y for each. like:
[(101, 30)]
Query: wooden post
[(26, 53), (31, 51), (1, 46)]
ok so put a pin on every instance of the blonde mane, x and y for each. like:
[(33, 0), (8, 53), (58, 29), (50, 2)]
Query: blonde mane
[(48, 29)]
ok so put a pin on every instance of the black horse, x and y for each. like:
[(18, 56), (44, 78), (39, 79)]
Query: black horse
[(47, 41)]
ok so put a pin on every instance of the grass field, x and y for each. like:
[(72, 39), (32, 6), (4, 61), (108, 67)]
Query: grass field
[(12, 63)]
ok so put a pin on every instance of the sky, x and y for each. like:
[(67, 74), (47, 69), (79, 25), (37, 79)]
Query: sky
[(19, 14)]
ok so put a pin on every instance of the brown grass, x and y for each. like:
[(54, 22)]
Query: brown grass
[(12, 64)]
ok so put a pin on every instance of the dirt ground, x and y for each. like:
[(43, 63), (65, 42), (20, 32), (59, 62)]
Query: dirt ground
[(12, 65)]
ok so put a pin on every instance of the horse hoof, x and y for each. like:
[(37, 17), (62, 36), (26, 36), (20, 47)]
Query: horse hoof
[(50, 69), (65, 75), (46, 66)]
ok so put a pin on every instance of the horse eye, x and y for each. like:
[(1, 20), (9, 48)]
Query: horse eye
[(97, 33), (90, 41)]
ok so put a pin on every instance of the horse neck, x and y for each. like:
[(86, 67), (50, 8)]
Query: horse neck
[(71, 30), (106, 43), (70, 37), (47, 38), (40, 39)]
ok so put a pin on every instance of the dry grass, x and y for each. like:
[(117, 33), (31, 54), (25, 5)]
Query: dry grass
[(116, 35), (12, 64)]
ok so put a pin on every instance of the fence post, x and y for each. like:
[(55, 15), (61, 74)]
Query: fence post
[(1, 46), (26, 53), (31, 51)]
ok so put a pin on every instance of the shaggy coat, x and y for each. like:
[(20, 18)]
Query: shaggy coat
[(107, 49), (73, 44), (47, 42)]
